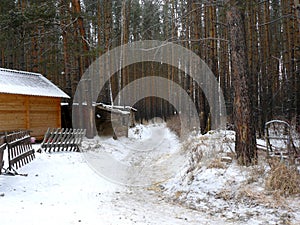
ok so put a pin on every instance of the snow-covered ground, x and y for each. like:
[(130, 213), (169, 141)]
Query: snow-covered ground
[(221, 188), (68, 187), (150, 155)]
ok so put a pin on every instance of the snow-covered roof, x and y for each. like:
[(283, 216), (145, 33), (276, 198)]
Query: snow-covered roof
[(26, 83)]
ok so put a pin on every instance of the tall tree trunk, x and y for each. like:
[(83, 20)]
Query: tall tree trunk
[(195, 34), (65, 78), (297, 13), (34, 52), (83, 63), (124, 74), (245, 144), (252, 45), (107, 34), (297, 53), (65, 81), (99, 27), (80, 25), (223, 57)]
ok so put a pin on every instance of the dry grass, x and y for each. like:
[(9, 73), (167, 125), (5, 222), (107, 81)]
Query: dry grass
[(225, 194), (217, 163), (174, 125), (249, 194), (256, 173), (283, 179), (196, 155), (181, 125), (246, 192), (178, 194)]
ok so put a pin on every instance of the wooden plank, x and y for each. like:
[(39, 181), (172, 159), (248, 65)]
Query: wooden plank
[(18, 115), (12, 126), (11, 107), (42, 119), (43, 115), (40, 122), (12, 121), (14, 97), (43, 107), (42, 100)]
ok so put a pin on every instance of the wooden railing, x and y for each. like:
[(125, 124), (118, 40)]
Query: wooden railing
[(20, 151), (57, 139)]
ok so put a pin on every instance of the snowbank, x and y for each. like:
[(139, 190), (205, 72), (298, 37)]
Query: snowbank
[(223, 189)]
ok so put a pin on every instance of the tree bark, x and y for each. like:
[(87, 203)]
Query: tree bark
[(297, 12), (245, 144), (297, 53), (84, 60)]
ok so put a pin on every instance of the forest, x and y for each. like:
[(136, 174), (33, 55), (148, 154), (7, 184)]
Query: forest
[(251, 46)]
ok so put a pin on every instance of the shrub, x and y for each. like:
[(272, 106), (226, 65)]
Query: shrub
[(283, 179)]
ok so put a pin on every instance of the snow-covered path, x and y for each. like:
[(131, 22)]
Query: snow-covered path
[(141, 206), (150, 155), (62, 189)]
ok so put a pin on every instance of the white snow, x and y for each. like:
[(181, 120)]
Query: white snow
[(232, 192), (25, 83), (123, 110), (150, 155), (62, 188)]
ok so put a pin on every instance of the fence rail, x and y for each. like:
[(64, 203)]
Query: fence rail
[(57, 139), (20, 151)]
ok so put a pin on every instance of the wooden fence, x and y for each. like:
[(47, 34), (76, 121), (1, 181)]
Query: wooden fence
[(62, 139), (2, 148), (20, 151)]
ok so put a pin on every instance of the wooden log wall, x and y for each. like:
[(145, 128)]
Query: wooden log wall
[(34, 113)]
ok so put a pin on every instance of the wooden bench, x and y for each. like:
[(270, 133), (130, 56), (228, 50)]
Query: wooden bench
[(60, 139), (20, 151)]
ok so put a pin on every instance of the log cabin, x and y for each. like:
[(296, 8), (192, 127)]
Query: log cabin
[(29, 101)]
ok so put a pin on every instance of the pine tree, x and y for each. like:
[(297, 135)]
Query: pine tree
[(245, 144)]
